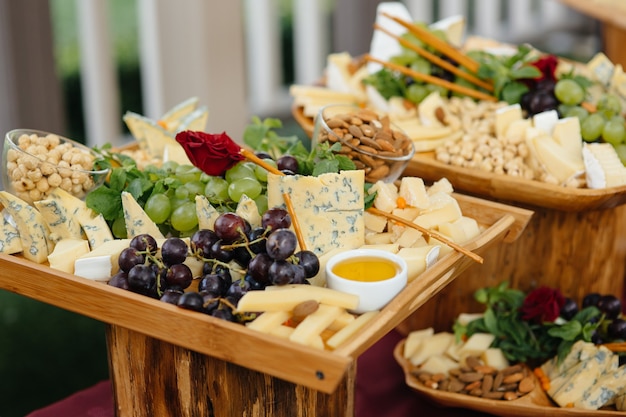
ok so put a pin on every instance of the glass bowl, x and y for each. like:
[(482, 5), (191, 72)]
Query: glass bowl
[(371, 141), (34, 163)]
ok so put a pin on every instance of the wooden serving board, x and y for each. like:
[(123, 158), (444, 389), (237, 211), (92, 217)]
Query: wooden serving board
[(309, 367), (501, 187), (535, 404)]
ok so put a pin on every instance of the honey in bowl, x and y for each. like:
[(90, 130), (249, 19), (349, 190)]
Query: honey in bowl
[(366, 269), (376, 276)]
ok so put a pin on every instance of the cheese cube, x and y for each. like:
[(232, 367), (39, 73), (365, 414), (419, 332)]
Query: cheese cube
[(411, 238), (379, 238), (476, 345), (389, 247), (441, 186), (495, 358), (374, 222), (444, 208), (439, 364), (419, 259), (413, 191), (414, 339), (386, 196), (431, 346), (505, 116), (461, 230)]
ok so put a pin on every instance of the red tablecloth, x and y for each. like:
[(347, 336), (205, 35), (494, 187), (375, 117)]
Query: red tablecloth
[(380, 391)]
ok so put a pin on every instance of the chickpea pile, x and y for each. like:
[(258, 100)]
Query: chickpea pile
[(480, 148), (48, 163)]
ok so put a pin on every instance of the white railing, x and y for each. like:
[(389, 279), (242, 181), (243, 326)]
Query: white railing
[(258, 51)]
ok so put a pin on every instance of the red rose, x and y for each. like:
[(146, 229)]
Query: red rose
[(212, 153), (542, 305), (547, 65)]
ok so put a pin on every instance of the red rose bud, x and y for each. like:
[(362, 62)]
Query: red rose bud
[(214, 154), (542, 305), (547, 65)]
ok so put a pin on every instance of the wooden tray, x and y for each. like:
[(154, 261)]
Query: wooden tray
[(501, 187), (535, 404), (310, 367)]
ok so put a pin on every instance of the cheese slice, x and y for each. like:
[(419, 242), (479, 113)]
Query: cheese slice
[(136, 220), (566, 132), (65, 253), (10, 241), (444, 208), (432, 346), (419, 259), (603, 168), (93, 224), (546, 120), (248, 210), (414, 339), (60, 224), (280, 299), (555, 160), (207, 214), (329, 207), (505, 116), (31, 226)]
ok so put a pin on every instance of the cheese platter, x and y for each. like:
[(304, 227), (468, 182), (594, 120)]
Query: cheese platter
[(535, 403)]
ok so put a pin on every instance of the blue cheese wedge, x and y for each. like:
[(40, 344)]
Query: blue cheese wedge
[(603, 168), (136, 220), (31, 226), (248, 210), (330, 207), (207, 214), (603, 391), (61, 224), (10, 241), (93, 224)]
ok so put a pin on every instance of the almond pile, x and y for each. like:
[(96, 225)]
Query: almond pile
[(480, 380)]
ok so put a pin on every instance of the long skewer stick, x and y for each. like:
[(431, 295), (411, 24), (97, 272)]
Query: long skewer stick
[(440, 45), (427, 232), (436, 60), (433, 80)]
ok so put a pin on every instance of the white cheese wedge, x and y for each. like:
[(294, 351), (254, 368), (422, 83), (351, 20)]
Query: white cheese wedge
[(207, 214), (603, 168), (60, 223), (94, 225), (555, 160), (176, 153), (31, 226), (101, 263), (10, 242), (566, 132), (434, 345), (419, 259), (65, 253), (248, 210), (330, 207), (546, 120), (505, 116), (136, 220)]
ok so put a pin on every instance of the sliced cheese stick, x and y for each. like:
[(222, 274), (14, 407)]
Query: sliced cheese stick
[(310, 328), (286, 299), (268, 321), (344, 334)]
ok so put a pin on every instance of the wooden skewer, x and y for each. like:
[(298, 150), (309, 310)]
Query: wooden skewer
[(436, 60), (427, 232), (616, 347), (249, 155), (433, 80), (440, 45)]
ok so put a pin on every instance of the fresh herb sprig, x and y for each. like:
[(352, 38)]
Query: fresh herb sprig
[(522, 340)]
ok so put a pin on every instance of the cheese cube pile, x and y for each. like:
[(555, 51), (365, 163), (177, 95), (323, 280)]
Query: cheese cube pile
[(440, 352), (589, 377)]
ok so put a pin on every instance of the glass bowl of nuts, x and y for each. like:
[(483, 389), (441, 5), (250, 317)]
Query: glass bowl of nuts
[(370, 140), (34, 163)]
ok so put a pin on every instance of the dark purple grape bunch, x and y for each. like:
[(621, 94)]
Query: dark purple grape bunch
[(540, 97), (157, 274), (612, 326)]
